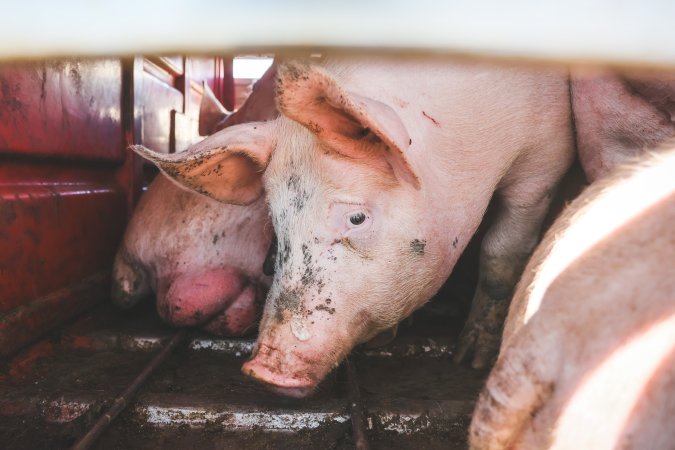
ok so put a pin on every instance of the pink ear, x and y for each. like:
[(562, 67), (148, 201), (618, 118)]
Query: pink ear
[(350, 124), (226, 166), (211, 112)]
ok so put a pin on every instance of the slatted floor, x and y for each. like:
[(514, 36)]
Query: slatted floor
[(411, 394)]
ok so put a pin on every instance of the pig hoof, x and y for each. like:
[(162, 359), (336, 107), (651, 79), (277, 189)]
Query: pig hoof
[(477, 342)]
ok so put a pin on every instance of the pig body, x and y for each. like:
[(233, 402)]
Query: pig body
[(617, 116), (378, 172), (203, 259), (588, 356)]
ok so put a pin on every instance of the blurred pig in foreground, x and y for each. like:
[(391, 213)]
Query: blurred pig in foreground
[(203, 259), (588, 354), (618, 115)]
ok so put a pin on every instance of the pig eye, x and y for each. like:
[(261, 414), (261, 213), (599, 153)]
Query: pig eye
[(357, 219)]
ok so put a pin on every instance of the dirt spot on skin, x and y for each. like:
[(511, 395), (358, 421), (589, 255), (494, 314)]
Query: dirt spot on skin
[(417, 247), (328, 309), (348, 244), (431, 118), (288, 300), (454, 242), (283, 253), (314, 127)]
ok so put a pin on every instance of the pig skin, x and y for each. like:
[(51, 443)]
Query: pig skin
[(617, 115), (588, 355)]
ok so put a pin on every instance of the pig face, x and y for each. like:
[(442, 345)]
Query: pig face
[(351, 240)]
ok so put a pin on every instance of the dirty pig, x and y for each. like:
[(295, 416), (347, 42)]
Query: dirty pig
[(203, 259), (377, 174), (588, 358)]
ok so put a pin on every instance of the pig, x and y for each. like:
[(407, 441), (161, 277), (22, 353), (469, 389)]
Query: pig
[(203, 259), (617, 115), (259, 105), (588, 355), (377, 173)]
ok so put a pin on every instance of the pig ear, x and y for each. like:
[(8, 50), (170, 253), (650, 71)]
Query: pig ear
[(211, 112), (350, 124), (226, 166)]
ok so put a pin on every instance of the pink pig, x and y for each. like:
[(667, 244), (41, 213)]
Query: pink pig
[(377, 173), (202, 258), (618, 115), (588, 358)]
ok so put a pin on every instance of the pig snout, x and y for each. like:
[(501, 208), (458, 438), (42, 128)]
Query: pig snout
[(285, 373), (292, 356), (193, 299)]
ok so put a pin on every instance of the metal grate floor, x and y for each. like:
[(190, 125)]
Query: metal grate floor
[(411, 394)]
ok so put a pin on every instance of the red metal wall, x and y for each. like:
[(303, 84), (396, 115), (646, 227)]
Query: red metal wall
[(67, 182)]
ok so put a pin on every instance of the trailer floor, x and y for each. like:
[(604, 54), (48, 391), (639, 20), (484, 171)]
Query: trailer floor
[(411, 394)]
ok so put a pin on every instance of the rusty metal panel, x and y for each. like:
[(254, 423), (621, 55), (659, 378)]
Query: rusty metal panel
[(68, 109), (55, 235), (158, 100)]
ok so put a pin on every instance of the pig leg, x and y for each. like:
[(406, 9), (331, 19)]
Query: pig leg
[(504, 252), (129, 281), (193, 299), (518, 385), (242, 316)]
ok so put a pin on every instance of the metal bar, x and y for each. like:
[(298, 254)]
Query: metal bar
[(123, 400), (356, 408), (629, 32)]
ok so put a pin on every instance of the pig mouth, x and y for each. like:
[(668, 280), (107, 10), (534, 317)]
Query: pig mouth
[(285, 374)]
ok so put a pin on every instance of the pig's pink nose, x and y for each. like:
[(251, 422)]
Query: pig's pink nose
[(278, 383)]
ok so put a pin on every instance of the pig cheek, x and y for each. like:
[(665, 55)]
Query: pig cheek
[(240, 318)]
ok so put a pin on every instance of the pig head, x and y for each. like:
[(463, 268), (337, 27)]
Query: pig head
[(203, 259)]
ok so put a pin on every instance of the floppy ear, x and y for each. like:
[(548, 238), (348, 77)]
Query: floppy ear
[(226, 166), (350, 124), (211, 112)]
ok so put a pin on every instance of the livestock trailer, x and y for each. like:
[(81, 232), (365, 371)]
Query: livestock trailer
[(79, 83)]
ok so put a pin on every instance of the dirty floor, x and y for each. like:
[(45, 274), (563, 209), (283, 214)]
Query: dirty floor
[(406, 395)]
